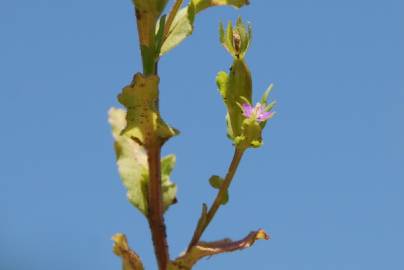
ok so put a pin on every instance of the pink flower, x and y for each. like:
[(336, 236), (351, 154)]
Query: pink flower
[(258, 112)]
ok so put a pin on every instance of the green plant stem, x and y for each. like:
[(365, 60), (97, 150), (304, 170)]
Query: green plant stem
[(155, 211), (201, 227), (155, 201), (146, 28), (146, 25)]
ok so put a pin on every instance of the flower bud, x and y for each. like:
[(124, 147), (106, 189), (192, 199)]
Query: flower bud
[(236, 39)]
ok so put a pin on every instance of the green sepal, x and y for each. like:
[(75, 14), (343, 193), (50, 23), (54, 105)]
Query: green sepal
[(264, 98), (144, 123), (133, 168), (245, 33), (268, 107), (252, 137), (183, 23), (226, 37), (216, 182)]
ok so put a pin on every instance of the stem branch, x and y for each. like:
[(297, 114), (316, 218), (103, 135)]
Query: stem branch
[(201, 227)]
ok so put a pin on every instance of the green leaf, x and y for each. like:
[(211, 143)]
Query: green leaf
[(181, 28), (133, 168), (183, 24), (216, 182), (131, 161), (208, 249), (222, 83)]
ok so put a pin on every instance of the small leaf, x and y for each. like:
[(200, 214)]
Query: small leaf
[(130, 260), (221, 82), (131, 161), (207, 249), (180, 29), (252, 134), (133, 168), (216, 182)]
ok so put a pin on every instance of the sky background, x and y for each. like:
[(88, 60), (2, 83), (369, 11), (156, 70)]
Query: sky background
[(328, 184)]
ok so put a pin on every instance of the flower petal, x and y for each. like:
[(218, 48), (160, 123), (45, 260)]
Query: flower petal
[(247, 110), (264, 116), (259, 109)]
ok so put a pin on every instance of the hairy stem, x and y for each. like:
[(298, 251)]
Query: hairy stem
[(201, 227), (155, 211)]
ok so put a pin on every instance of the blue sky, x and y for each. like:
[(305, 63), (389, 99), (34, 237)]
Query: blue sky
[(327, 184)]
